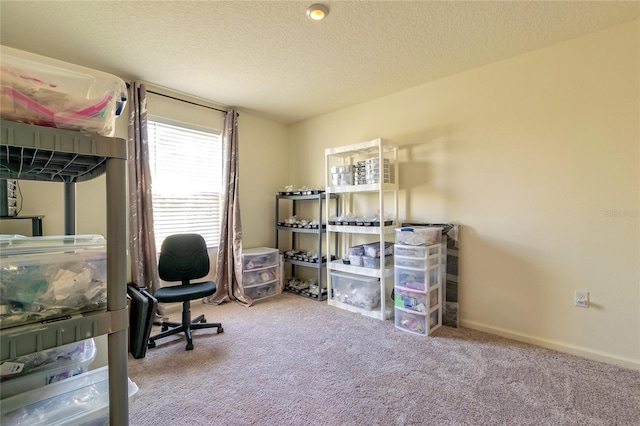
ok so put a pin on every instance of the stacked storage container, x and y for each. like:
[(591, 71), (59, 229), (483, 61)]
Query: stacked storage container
[(342, 175), (43, 368), (418, 282), (49, 277), (79, 400), (47, 92), (356, 290), (261, 272), (370, 171)]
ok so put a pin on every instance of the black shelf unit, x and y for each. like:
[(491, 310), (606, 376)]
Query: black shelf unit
[(320, 198)]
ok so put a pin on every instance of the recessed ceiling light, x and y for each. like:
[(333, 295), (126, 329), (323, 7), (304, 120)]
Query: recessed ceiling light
[(317, 12)]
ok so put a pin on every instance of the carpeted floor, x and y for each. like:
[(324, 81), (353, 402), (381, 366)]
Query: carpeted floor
[(293, 361)]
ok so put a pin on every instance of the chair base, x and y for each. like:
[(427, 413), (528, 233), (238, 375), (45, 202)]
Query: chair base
[(170, 328)]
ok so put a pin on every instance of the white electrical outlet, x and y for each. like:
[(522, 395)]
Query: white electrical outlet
[(581, 299)]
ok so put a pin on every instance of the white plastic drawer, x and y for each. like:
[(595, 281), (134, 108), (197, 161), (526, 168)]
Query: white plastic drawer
[(422, 252), (417, 301), (410, 251), (262, 291), (411, 322), (411, 300), (411, 262), (258, 258), (265, 275), (416, 279), (417, 323)]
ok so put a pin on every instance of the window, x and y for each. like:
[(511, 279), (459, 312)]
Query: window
[(186, 172)]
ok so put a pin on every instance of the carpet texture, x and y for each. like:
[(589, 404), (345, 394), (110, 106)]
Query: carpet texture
[(293, 361)]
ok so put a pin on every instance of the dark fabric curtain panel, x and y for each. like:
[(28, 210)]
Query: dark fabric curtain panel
[(229, 267), (142, 245)]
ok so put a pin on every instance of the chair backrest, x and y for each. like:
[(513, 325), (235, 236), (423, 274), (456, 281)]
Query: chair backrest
[(183, 257)]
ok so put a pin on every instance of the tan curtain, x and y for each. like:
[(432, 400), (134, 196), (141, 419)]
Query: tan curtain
[(142, 242), (229, 268)]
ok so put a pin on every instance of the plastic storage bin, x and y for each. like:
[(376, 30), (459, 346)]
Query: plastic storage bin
[(355, 260), (374, 262), (259, 257), (416, 279), (262, 291), (411, 262), (373, 249), (47, 367), (47, 92), (79, 400), (262, 272), (356, 250), (47, 277), (411, 300), (370, 171), (51, 277), (356, 290), (265, 275), (419, 236), (410, 251)]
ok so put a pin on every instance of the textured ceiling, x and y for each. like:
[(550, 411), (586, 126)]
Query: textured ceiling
[(266, 57)]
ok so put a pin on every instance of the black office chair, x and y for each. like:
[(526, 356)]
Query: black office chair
[(184, 257)]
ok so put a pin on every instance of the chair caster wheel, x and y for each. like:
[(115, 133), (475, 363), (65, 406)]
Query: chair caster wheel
[(189, 346), (220, 330), (151, 345), (165, 328), (203, 320)]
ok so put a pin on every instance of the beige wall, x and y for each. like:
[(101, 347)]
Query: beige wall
[(537, 157)]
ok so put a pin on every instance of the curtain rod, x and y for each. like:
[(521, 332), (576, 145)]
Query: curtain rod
[(189, 102)]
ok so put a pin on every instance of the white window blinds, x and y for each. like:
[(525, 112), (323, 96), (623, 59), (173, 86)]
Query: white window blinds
[(186, 170)]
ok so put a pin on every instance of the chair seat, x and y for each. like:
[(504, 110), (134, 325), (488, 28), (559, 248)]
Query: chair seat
[(185, 292)]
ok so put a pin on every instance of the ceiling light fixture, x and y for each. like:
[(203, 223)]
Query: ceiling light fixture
[(317, 12)]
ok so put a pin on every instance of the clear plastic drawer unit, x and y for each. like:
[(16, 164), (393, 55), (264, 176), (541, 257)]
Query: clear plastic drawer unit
[(261, 272)]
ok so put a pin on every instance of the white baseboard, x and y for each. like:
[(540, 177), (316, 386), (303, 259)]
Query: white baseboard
[(608, 358)]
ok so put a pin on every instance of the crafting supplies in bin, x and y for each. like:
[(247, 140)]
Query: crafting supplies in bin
[(370, 171), (374, 262), (262, 272), (46, 367), (416, 279), (374, 250), (357, 290), (256, 259), (79, 400), (416, 323), (48, 92), (342, 175), (50, 277), (418, 236), (261, 291)]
